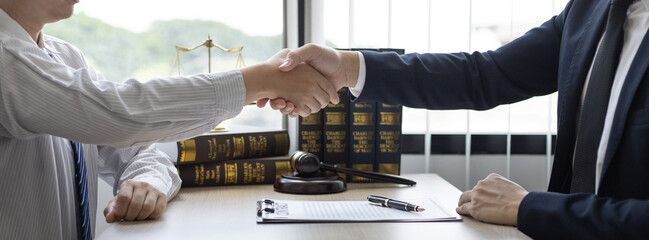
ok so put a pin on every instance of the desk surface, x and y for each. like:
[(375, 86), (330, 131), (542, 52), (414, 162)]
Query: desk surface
[(229, 213)]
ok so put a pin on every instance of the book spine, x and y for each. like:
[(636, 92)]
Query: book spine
[(237, 172), (399, 51), (310, 137), (388, 139), (212, 148), (362, 136), (336, 131)]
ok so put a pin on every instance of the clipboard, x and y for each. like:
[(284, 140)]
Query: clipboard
[(297, 211)]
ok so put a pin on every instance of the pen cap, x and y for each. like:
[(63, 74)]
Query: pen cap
[(305, 163)]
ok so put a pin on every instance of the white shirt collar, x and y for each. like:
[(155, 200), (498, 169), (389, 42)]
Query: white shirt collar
[(645, 3), (10, 27), (639, 5)]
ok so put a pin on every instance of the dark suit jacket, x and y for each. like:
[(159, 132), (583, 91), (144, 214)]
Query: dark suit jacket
[(553, 57)]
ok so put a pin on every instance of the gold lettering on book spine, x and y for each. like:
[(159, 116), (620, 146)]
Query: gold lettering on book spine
[(260, 173), (199, 177), (217, 149), (217, 174), (239, 147), (210, 175), (311, 141), (313, 119), (225, 148), (258, 145), (281, 143), (389, 105), (363, 167), (362, 105), (213, 148), (362, 119), (282, 167), (391, 168), (331, 105), (254, 173), (247, 173), (188, 151), (231, 173), (389, 141), (390, 118), (335, 118), (335, 142), (361, 141)]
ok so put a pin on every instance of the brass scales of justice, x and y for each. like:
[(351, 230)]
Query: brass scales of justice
[(209, 44)]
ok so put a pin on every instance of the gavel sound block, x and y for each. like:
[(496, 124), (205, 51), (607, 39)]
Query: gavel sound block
[(310, 176)]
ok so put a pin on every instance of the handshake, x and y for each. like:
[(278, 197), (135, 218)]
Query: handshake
[(301, 81)]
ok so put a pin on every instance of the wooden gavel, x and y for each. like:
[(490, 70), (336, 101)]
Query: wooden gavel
[(308, 164)]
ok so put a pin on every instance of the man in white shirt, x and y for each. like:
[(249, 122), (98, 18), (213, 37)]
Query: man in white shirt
[(595, 51), (50, 95)]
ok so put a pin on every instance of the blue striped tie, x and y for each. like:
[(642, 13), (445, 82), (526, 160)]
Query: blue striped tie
[(83, 220)]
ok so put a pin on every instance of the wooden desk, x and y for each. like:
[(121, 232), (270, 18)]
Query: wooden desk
[(229, 213)]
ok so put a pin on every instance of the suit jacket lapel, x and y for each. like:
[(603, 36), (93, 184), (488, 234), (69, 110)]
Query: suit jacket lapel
[(579, 50), (633, 78), (583, 58)]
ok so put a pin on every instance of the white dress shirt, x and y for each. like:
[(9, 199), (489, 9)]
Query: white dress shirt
[(636, 25), (49, 94)]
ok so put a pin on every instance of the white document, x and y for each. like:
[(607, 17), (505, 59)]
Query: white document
[(274, 211)]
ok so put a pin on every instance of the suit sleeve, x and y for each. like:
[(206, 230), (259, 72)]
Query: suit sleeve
[(523, 68), (547, 215)]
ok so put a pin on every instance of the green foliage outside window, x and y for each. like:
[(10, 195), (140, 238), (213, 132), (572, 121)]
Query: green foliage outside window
[(121, 54)]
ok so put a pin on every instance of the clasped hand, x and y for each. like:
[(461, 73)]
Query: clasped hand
[(318, 72), (494, 199)]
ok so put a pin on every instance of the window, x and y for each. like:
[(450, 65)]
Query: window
[(135, 39), (446, 26), (454, 26)]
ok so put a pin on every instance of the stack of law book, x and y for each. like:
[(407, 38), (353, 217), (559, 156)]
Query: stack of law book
[(360, 135), (242, 155)]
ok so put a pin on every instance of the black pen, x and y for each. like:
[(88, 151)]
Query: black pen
[(391, 203)]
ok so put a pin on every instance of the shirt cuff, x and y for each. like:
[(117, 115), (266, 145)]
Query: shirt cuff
[(360, 82), (230, 92), (159, 184)]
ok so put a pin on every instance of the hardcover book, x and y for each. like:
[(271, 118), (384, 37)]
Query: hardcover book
[(234, 172), (310, 137), (336, 131), (238, 143), (388, 139), (362, 135)]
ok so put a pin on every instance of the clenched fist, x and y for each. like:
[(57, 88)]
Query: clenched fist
[(136, 200)]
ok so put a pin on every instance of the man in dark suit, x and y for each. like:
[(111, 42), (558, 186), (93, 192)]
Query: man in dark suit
[(600, 178)]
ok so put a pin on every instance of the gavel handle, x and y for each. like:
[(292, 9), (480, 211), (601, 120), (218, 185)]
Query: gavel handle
[(383, 177)]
